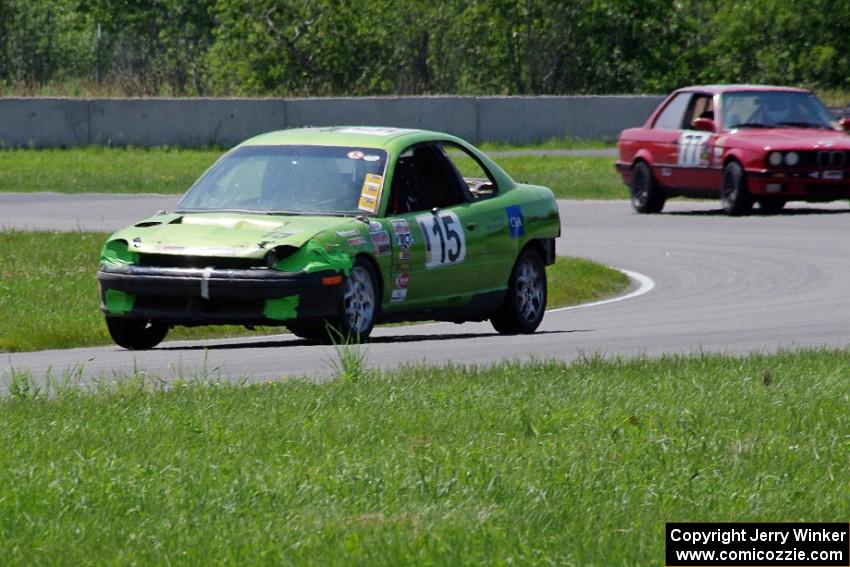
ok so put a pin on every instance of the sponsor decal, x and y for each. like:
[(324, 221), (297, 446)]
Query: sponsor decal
[(375, 226), (381, 237), (371, 157), (355, 154), (666, 172), (403, 236), (399, 292), (402, 267), (346, 233), (516, 223), (381, 240), (370, 193), (357, 241), (402, 280), (832, 175), (405, 255)]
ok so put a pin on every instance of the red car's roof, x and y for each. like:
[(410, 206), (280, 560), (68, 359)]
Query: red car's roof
[(718, 89)]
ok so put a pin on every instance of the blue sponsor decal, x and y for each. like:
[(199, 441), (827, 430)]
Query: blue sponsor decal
[(515, 221)]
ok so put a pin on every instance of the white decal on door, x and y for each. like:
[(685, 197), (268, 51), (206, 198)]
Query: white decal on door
[(445, 242), (693, 148)]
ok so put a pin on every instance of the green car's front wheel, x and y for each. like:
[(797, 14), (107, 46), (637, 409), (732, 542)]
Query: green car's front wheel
[(525, 304), (358, 307), (136, 334), (357, 310)]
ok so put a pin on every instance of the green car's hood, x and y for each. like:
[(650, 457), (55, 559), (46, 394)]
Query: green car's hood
[(244, 235)]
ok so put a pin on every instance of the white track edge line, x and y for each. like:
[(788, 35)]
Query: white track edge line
[(645, 285)]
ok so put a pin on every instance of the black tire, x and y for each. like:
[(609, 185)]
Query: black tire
[(525, 304), (357, 310), (768, 205), (647, 196), (734, 196), (314, 331), (136, 334)]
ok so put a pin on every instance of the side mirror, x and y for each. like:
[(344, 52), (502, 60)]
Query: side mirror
[(844, 123), (703, 124)]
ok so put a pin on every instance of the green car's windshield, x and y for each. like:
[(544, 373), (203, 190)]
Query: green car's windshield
[(291, 179), (774, 109)]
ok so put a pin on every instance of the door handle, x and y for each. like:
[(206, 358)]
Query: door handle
[(472, 225)]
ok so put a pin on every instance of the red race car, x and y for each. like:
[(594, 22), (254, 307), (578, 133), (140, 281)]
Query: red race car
[(742, 143)]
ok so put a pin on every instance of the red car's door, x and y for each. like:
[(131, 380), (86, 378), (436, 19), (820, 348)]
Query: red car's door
[(694, 161), (663, 138)]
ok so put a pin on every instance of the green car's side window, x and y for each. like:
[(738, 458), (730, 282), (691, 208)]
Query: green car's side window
[(423, 179), (478, 181)]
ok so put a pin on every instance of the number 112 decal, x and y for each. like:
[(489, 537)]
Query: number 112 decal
[(445, 242)]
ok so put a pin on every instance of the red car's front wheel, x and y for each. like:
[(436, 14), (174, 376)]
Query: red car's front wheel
[(734, 196)]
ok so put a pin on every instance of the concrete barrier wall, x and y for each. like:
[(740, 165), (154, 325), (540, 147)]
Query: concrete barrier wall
[(64, 122)]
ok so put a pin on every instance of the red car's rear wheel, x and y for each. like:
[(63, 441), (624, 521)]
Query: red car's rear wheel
[(647, 196)]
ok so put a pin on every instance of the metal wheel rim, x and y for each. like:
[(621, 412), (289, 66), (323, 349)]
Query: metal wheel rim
[(529, 291), (640, 187), (359, 300)]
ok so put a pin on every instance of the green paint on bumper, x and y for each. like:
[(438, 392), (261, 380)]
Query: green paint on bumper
[(118, 302), (282, 309)]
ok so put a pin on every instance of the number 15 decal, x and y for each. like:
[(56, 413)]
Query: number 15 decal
[(444, 239)]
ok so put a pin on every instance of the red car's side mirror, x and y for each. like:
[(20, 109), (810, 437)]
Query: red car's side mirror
[(704, 124), (844, 122)]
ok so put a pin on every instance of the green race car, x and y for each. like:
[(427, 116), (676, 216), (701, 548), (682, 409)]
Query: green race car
[(332, 230)]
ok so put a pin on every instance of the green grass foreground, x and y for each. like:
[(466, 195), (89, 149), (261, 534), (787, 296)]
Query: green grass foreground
[(49, 294), (540, 464), (172, 171)]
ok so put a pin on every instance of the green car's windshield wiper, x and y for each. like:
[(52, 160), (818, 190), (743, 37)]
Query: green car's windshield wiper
[(751, 125), (804, 125)]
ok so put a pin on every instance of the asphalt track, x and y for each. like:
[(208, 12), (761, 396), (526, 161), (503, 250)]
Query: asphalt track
[(711, 284)]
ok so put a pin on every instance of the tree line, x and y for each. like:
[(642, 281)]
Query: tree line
[(415, 47)]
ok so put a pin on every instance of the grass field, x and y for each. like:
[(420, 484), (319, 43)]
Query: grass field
[(158, 170), (49, 294), (543, 464)]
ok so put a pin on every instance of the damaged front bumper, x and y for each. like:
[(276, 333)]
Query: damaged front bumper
[(194, 296)]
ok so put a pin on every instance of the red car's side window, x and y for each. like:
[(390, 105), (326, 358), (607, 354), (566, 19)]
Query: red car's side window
[(672, 115)]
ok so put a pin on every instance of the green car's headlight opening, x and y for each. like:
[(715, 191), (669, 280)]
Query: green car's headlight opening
[(118, 251)]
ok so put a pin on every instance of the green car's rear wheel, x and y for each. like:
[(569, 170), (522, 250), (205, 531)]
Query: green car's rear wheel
[(525, 304), (136, 334)]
